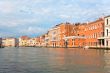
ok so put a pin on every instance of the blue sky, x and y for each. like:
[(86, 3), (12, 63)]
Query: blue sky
[(35, 17)]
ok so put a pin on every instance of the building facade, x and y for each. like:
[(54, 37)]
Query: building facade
[(93, 32), (87, 34), (23, 41), (0, 42), (47, 39), (56, 35), (32, 42), (77, 38), (9, 42), (107, 31)]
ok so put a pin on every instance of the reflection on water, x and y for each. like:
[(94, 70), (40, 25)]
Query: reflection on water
[(54, 60)]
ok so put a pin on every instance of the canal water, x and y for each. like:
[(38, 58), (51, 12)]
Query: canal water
[(54, 60)]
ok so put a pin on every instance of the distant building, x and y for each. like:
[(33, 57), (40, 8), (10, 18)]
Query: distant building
[(0, 42), (32, 42), (3, 42), (46, 39), (38, 41), (42, 40), (9, 42), (23, 41)]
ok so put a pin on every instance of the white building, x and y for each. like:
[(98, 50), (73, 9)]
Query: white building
[(107, 32), (32, 42), (54, 37), (9, 42)]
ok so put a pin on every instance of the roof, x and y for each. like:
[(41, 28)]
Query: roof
[(107, 16), (98, 20), (24, 37)]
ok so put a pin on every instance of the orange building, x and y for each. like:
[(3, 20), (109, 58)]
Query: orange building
[(88, 34), (42, 40), (75, 35), (38, 41), (77, 38), (93, 31), (80, 35)]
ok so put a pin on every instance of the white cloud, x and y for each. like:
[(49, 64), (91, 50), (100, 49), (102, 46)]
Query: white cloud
[(36, 12), (88, 1), (42, 11), (17, 22), (32, 30), (40, 1), (63, 16), (6, 7)]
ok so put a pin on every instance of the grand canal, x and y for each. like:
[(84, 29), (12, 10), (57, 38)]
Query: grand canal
[(54, 60)]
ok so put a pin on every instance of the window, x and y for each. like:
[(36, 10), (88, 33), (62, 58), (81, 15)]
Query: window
[(85, 29), (107, 32), (107, 43), (72, 39), (102, 34), (107, 21), (54, 32), (54, 38)]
